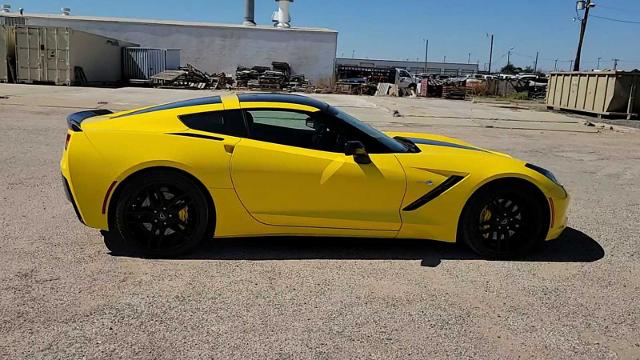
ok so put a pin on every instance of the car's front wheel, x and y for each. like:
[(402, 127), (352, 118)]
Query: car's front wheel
[(503, 221), (159, 214)]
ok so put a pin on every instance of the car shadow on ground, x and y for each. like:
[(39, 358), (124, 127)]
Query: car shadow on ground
[(572, 246)]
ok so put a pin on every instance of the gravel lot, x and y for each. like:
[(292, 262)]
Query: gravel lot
[(62, 295)]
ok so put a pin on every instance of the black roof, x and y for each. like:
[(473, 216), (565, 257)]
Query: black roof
[(286, 98), (209, 100)]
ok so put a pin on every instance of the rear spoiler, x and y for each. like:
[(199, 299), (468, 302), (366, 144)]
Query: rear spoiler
[(74, 120)]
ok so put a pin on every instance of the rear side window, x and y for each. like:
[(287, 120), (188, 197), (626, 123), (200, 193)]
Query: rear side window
[(217, 122)]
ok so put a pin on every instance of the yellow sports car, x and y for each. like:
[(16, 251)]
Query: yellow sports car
[(161, 179)]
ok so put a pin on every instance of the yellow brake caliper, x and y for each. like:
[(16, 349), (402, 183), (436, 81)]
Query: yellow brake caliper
[(485, 216), (183, 214)]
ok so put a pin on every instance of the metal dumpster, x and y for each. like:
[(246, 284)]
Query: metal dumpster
[(602, 93), (64, 56), (140, 64)]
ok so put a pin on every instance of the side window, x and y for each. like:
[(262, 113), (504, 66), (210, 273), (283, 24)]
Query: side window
[(279, 118), (283, 127), (218, 122), (317, 131)]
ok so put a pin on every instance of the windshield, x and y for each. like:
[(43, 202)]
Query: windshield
[(391, 143)]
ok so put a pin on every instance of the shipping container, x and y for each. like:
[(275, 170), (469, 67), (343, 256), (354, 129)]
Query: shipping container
[(7, 54), (4, 56), (64, 56), (12, 21), (140, 64), (603, 93)]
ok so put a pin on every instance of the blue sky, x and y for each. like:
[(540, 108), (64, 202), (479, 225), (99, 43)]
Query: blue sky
[(395, 29)]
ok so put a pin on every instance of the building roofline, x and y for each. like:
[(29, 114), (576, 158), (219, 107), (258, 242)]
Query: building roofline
[(162, 22)]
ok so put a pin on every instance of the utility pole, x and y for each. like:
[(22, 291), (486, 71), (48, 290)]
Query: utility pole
[(615, 64), (353, 54), (426, 53), (555, 65), (469, 59), (598, 67), (509, 56), (586, 6), (571, 66), (535, 65), (490, 54), (445, 59)]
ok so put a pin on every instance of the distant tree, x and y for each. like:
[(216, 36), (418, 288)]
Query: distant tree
[(510, 69), (528, 70)]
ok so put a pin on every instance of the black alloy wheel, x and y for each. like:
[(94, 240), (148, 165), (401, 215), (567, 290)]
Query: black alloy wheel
[(503, 222), (162, 215)]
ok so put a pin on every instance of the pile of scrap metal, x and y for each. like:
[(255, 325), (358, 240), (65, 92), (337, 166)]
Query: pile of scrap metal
[(276, 77), (532, 87), (362, 80), (356, 86), (454, 88), (188, 77), (444, 86)]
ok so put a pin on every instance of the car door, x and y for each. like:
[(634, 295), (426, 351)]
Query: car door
[(405, 79), (282, 178)]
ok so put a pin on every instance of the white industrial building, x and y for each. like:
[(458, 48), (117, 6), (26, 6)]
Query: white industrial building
[(211, 47)]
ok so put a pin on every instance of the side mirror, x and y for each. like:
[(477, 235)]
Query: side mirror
[(356, 148)]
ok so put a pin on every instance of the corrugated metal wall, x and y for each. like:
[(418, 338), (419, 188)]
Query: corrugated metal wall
[(140, 64)]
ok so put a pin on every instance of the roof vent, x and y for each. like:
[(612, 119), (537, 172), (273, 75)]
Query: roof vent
[(6, 8), (282, 18), (249, 13), (66, 11)]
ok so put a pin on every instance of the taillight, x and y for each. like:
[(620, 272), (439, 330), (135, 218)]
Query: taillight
[(66, 143)]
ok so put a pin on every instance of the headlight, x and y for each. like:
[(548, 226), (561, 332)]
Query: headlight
[(548, 174)]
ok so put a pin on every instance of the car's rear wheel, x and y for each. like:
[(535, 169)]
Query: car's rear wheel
[(159, 214), (503, 221)]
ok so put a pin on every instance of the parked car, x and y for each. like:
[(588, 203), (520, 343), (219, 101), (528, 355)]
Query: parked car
[(159, 180)]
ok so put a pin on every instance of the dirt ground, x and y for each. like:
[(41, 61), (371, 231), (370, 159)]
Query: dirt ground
[(62, 295)]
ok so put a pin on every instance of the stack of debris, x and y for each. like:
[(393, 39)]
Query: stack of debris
[(298, 83), (188, 77), (356, 86), (532, 89), (454, 88), (276, 77), (387, 89)]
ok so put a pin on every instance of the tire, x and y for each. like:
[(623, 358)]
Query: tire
[(159, 214), (114, 243), (503, 221)]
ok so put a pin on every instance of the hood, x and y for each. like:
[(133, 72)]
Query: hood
[(430, 142), (441, 157)]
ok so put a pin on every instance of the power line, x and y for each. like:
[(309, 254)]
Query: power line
[(613, 8), (616, 20)]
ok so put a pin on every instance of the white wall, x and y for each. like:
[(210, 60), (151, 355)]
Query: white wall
[(220, 48), (103, 63)]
